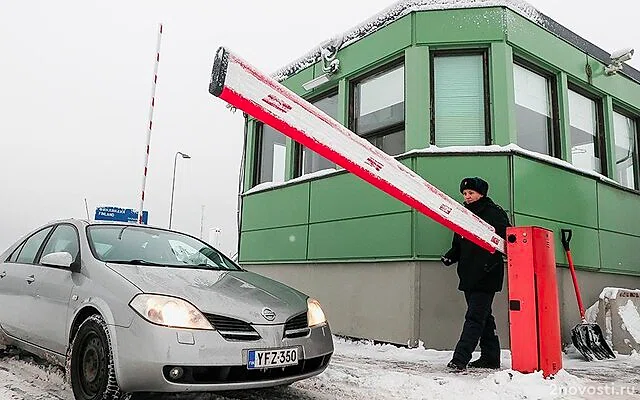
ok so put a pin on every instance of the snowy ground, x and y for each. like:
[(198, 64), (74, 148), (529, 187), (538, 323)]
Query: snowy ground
[(365, 371)]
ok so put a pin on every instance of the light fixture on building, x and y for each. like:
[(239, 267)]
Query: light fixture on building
[(617, 58), (330, 65), (315, 82)]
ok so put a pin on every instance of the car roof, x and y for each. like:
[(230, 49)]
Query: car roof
[(87, 222)]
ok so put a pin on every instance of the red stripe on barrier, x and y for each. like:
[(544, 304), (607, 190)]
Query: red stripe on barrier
[(305, 105), (260, 113)]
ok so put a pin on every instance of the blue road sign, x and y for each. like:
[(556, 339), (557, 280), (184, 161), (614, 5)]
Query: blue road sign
[(120, 215)]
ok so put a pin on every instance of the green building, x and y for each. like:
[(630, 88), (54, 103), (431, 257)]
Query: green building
[(453, 89)]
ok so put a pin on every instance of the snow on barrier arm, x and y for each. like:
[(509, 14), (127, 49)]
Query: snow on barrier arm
[(244, 87)]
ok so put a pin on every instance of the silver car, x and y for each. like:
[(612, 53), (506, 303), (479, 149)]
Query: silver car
[(134, 309)]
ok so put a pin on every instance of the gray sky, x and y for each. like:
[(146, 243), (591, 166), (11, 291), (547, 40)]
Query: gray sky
[(75, 88)]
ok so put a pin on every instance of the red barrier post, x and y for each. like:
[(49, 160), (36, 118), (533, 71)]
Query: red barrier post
[(534, 316)]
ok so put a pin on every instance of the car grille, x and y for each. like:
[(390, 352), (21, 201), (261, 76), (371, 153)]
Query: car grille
[(296, 326), (231, 328), (238, 374)]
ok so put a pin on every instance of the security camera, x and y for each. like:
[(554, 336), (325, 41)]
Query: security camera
[(620, 56), (617, 58)]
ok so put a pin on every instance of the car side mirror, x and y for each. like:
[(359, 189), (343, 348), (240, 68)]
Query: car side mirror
[(58, 259)]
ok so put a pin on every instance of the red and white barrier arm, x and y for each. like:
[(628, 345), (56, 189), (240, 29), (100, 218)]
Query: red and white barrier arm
[(244, 87)]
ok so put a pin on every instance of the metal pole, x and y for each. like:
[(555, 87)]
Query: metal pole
[(173, 186), (153, 96), (173, 181), (86, 207), (202, 223)]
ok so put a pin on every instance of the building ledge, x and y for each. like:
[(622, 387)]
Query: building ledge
[(510, 149)]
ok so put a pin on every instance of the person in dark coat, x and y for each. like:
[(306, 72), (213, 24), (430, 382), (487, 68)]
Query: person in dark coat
[(481, 275)]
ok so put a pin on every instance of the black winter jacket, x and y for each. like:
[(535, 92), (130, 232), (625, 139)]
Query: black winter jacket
[(478, 269)]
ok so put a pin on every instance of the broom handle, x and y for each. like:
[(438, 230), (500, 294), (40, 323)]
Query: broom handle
[(565, 244)]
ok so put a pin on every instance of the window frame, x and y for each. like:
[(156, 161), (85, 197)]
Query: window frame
[(298, 153), (600, 139), (484, 52), (399, 126), (36, 257), (636, 167), (15, 252), (554, 139), (257, 162), (77, 261)]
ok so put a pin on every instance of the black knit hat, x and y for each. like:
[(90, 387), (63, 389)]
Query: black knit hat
[(477, 184)]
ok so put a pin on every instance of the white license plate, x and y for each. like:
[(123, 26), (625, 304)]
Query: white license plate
[(272, 358)]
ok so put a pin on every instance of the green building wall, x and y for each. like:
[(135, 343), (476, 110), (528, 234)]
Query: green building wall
[(338, 217)]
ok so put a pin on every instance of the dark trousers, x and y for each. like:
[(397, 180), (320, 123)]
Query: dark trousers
[(479, 325)]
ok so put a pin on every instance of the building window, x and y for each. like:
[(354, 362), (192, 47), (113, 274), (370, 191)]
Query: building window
[(535, 110), (459, 100), (271, 152), (626, 150), (586, 144), (377, 111), (308, 160)]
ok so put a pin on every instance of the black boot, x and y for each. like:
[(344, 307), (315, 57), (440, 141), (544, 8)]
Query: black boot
[(456, 366), (485, 363)]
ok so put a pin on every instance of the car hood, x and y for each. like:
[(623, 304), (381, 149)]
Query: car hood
[(237, 294)]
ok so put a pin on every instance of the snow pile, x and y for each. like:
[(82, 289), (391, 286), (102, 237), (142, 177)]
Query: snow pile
[(617, 314), (630, 320), (24, 377), (609, 293), (591, 313), (390, 372), (392, 14)]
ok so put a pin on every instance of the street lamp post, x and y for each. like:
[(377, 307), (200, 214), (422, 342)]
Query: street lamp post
[(173, 181)]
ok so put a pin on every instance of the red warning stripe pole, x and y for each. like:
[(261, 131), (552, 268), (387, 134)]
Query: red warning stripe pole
[(151, 107)]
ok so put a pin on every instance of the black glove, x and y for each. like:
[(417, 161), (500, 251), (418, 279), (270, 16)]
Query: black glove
[(446, 260)]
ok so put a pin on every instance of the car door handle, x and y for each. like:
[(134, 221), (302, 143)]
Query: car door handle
[(3, 274), (30, 279)]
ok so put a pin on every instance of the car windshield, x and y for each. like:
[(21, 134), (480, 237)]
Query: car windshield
[(139, 245)]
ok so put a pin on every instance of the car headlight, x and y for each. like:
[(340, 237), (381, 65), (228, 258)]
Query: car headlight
[(315, 315), (169, 311)]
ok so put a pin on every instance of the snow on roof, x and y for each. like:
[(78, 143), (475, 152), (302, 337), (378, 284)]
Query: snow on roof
[(269, 185), (404, 7), (395, 12), (459, 150)]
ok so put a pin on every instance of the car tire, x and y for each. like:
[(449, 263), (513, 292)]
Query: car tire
[(90, 362)]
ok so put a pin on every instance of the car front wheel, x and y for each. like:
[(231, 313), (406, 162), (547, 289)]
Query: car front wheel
[(90, 362)]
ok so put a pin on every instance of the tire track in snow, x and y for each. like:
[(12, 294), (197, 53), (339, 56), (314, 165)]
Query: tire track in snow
[(26, 378)]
